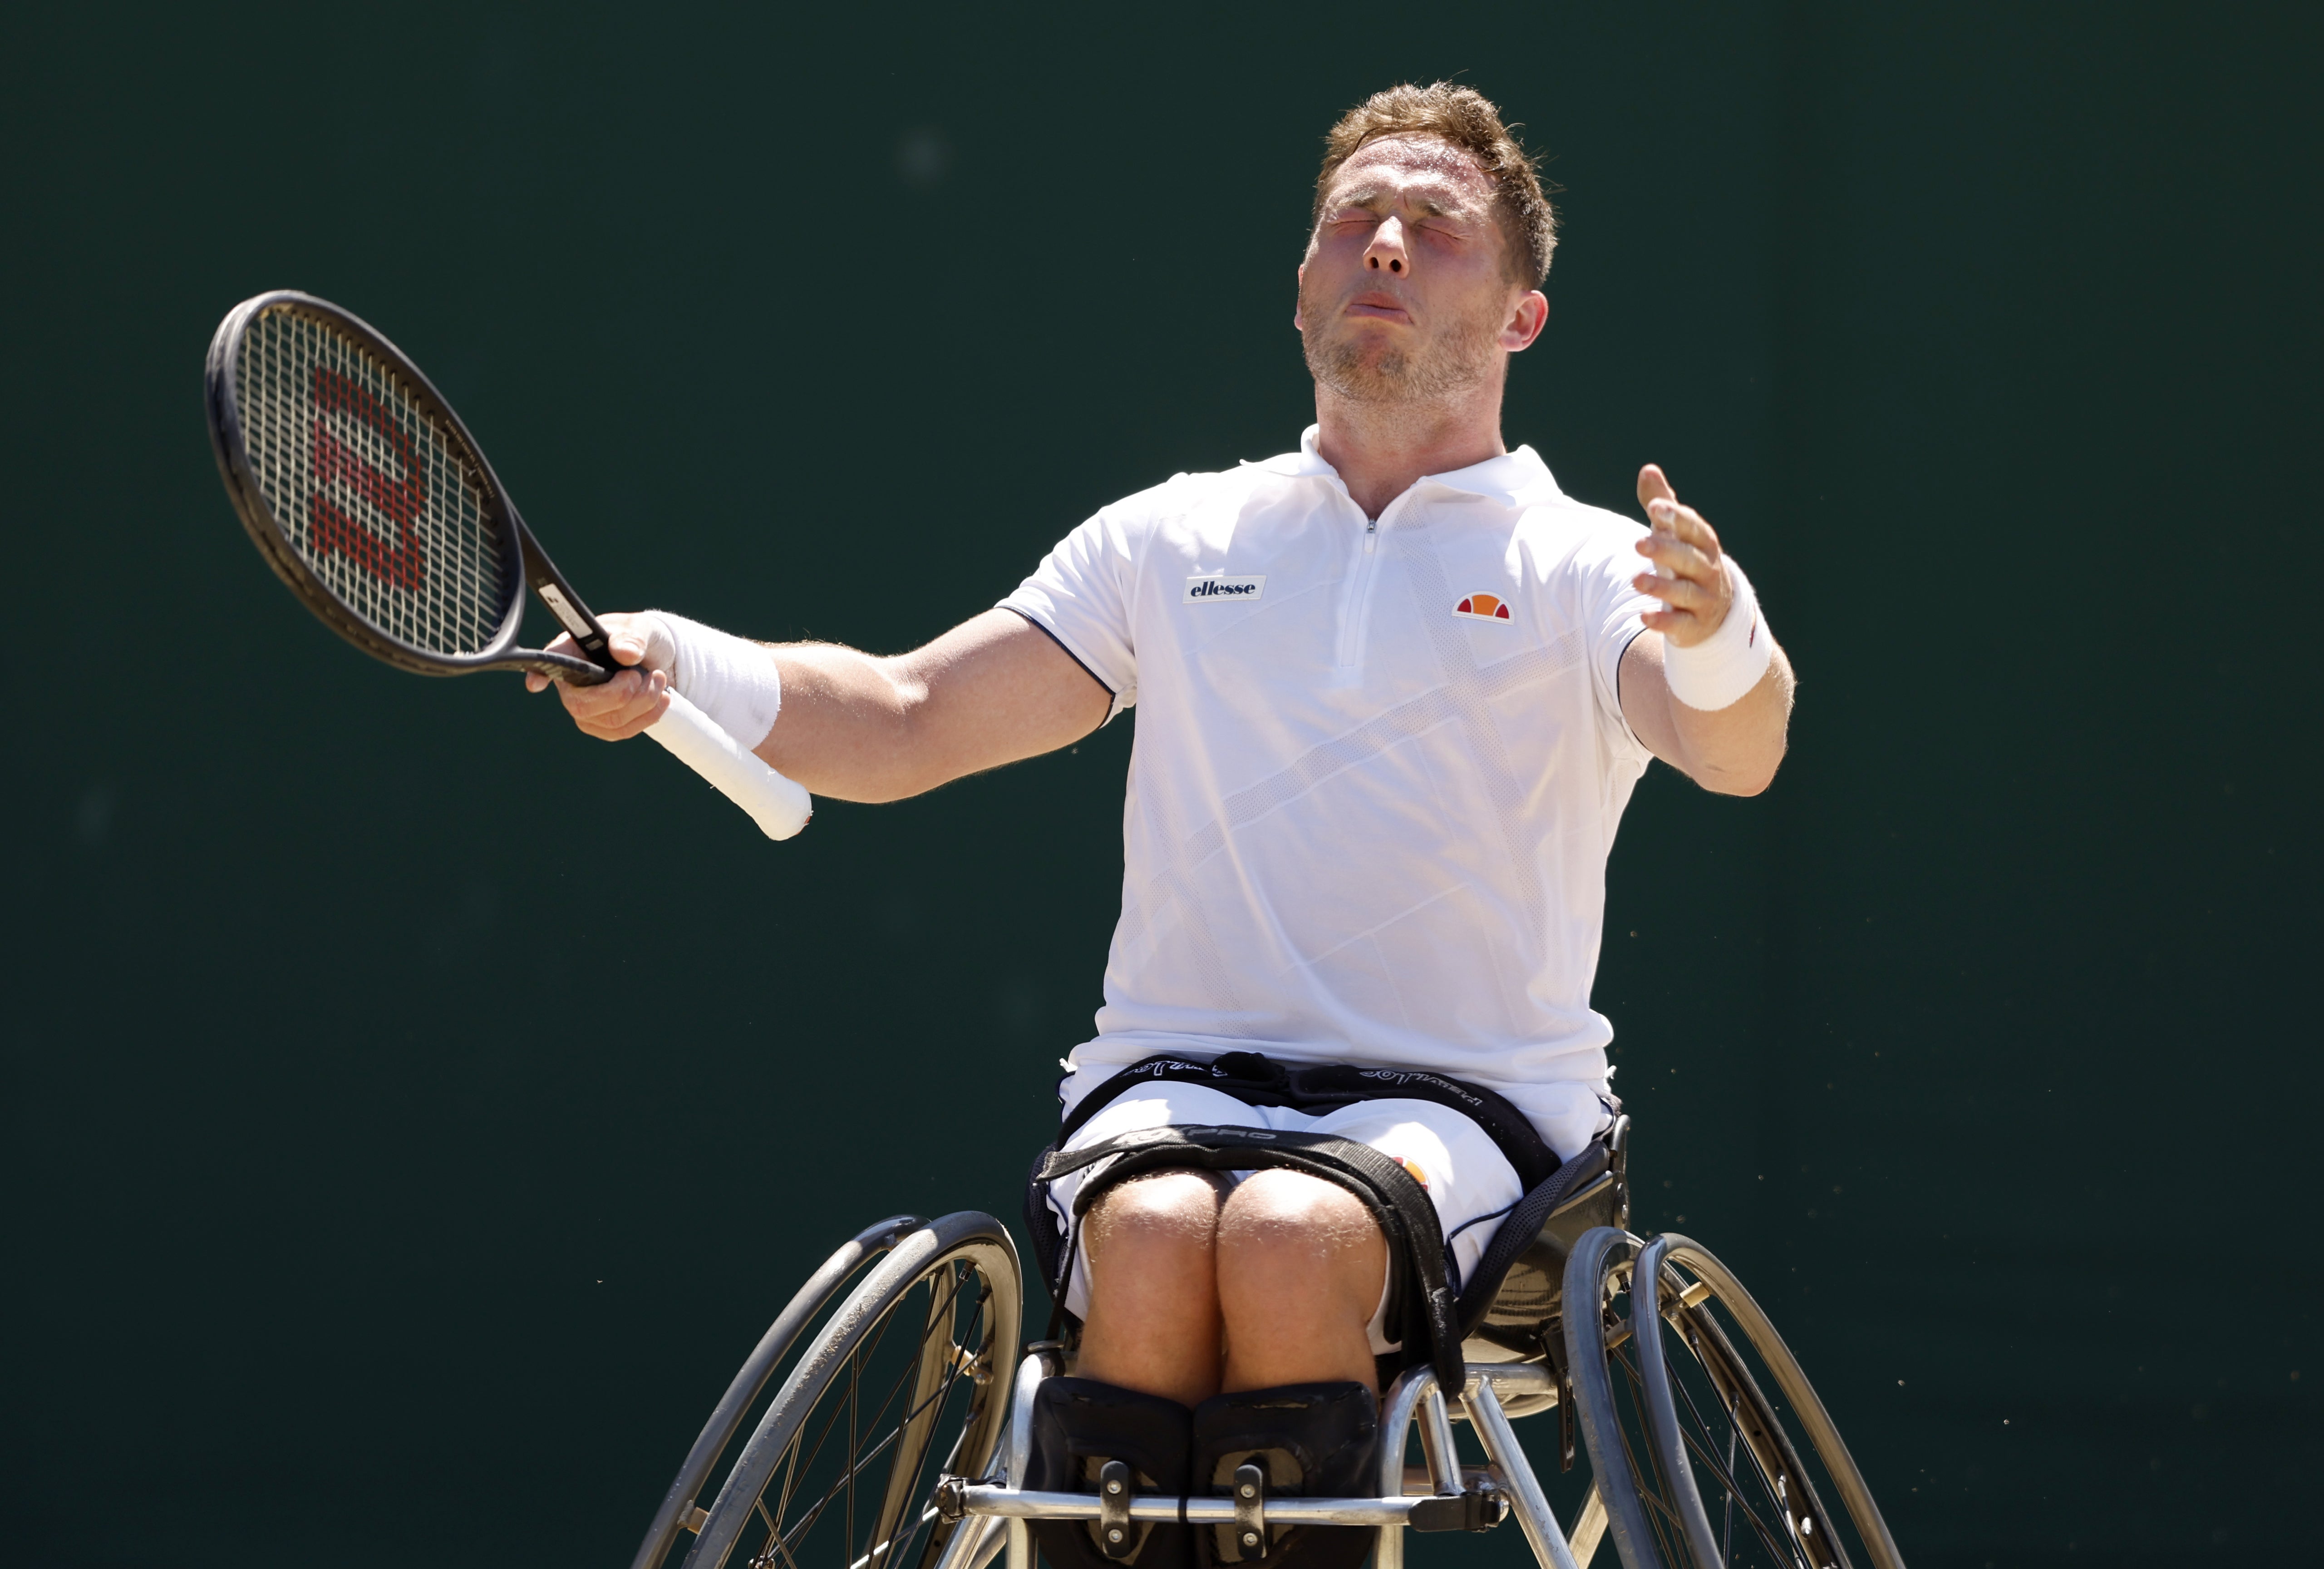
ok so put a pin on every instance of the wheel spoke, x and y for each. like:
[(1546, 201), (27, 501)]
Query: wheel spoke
[(893, 1549), (1705, 1422), (1726, 1525), (811, 1453), (794, 1517), (937, 1322), (1653, 1487), (791, 1481), (804, 1454), (839, 1490), (854, 1383), (774, 1546), (1777, 1543), (951, 1365), (843, 1488), (1782, 1544)]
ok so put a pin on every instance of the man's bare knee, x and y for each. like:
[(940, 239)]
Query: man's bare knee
[(1153, 1322), (1315, 1220), (1284, 1235), (1169, 1212), (1300, 1264)]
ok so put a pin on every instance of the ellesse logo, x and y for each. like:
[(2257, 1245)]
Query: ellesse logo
[(1483, 607), (1225, 590)]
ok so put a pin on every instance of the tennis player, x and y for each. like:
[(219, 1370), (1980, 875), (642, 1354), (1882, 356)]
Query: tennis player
[(1395, 689)]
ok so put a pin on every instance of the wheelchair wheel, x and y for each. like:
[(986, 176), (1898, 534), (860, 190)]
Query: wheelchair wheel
[(905, 1381), (1710, 1446), (680, 1512)]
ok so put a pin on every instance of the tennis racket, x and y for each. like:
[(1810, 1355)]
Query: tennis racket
[(369, 498)]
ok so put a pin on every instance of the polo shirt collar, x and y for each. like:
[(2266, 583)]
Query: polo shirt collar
[(1500, 479), (1305, 463)]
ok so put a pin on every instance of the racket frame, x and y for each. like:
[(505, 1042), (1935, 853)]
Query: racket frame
[(273, 538), (780, 805)]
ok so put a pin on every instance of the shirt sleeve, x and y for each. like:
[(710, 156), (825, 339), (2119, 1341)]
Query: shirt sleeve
[(1080, 595), (1612, 612)]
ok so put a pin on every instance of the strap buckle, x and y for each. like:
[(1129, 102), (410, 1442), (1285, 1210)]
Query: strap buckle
[(1251, 1512)]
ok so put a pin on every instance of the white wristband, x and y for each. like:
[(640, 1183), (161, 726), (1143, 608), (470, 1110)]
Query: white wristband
[(1717, 671), (731, 679)]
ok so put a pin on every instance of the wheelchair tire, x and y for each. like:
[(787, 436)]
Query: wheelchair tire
[(907, 1379), (1698, 1468), (679, 1512)]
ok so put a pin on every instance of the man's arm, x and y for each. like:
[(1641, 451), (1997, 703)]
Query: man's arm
[(1735, 750), (863, 727)]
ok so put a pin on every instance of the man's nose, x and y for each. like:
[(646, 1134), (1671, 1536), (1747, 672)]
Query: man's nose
[(1386, 254)]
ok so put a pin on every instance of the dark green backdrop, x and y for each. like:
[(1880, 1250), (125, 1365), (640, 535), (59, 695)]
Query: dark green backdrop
[(413, 1111)]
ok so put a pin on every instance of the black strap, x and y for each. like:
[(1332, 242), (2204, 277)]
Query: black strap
[(1049, 1250), (1519, 1230), (1397, 1204), (1258, 1080)]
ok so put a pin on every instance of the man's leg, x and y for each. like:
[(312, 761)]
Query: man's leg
[(1283, 1276), (1149, 1351), (1153, 1323), (1300, 1269)]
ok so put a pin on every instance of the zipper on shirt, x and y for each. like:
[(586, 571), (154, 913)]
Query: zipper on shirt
[(1355, 612)]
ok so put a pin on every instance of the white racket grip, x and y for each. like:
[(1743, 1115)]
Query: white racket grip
[(780, 806)]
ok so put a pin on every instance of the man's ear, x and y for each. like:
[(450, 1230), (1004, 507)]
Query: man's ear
[(1526, 322), (1296, 324)]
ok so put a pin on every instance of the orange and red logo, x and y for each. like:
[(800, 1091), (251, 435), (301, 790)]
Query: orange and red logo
[(1483, 607)]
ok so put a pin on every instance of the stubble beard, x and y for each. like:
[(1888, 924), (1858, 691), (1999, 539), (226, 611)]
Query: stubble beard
[(1453, 361)]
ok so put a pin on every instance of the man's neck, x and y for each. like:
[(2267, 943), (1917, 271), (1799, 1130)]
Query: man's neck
[(1379, 449)]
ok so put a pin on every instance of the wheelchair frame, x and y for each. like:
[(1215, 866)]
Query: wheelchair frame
[(1535, 1355), (1458, 1497)]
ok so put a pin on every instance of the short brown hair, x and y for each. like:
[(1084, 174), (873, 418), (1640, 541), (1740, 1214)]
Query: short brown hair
[(1468, 121)]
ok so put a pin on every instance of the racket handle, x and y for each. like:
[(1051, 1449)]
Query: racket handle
[(780, 806)]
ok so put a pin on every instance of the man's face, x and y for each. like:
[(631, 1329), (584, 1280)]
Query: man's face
[(1405, 294)]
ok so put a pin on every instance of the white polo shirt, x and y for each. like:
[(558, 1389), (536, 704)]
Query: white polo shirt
[(1377, 772)]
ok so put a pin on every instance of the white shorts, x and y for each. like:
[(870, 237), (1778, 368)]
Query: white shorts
[(1470, 1180)]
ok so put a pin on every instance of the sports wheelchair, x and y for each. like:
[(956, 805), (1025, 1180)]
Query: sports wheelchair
[(899, 1433)]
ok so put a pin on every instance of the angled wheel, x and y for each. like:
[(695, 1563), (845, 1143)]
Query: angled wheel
[(1710, 1446), (902, 1381), (681, 1512)]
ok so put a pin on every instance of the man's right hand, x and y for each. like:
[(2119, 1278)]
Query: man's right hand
[(625, 706), (860, 727)]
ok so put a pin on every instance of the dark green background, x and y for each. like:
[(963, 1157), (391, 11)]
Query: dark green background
[(413, 1111)]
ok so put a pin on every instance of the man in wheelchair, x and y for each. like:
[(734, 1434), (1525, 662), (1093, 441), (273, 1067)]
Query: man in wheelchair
[(1395, 690)]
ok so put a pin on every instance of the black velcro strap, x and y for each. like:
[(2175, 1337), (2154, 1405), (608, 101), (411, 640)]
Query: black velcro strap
[(1041, 1227), (1397, 1204), (1518, 1228)]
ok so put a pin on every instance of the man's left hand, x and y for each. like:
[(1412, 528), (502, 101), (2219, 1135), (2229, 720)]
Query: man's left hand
[(1690, 577)]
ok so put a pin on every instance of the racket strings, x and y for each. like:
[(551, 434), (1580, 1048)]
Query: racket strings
[(378, 501)]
